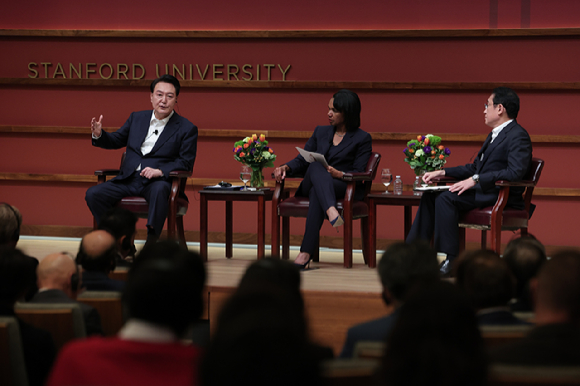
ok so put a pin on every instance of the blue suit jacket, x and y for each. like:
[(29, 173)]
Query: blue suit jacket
[(506, 158), (375, 330), (174, 150), (353, 152)]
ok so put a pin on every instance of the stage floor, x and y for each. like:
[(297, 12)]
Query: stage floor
[(335, 298)]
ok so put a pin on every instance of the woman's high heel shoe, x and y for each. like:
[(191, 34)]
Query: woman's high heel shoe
[(305, 265), (338, 221)]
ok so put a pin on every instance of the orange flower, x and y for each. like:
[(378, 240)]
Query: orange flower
[(433, 156), (433, 152), (411, 150), (441, 147), (419, 137), (262, 137), (426, 141), (254, 137), (271, 151), (246, 145), (242, 154), (441, 156)]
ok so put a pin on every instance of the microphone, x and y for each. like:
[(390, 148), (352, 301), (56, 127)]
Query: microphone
[(156, 132)]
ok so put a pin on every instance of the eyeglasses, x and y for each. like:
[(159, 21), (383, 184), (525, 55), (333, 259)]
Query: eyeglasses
[(486, 105)]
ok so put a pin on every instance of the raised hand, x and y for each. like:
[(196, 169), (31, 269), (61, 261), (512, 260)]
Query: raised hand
[(96, 126)]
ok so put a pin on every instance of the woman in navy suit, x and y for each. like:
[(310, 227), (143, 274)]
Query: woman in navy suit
[(346, 148)]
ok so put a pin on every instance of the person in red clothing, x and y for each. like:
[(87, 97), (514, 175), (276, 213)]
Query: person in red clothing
[(163, 298)]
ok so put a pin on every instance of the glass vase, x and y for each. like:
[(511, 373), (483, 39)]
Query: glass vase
[(257, 179)]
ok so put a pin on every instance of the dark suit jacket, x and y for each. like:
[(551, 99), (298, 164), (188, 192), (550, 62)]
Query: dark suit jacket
[(375, 330), (548, 345), (90, 314), (506, 158), (353, 152), (99, 281), (174, 150)]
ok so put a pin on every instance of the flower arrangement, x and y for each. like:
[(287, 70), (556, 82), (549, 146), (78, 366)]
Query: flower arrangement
[(255, 152), (426, 154)]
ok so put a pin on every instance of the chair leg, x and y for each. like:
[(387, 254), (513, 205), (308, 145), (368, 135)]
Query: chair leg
[(275, 244), (286, 238), (347, 240), (483, 239), (181, 231), (364, 234), (496, 239), (171, 224), (461, 239)]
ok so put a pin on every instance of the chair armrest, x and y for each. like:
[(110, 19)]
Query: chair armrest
[(180, 174), (362, 176), (515, 183), (107, 172)]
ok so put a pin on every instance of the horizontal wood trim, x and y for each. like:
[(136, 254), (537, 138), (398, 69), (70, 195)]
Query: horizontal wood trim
[(294, 34), (304, 85), (198, 183), (281, 134)]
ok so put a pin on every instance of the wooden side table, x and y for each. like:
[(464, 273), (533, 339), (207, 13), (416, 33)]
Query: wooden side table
[(407, 199), (229, 196)]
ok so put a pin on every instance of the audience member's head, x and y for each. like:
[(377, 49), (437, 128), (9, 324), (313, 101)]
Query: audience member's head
[(435, 341), (261, 333), (165, 286), (557, 289), (485, 278), (17, 276), (59, 271), (10, 222), (121, 223), (524, 256), (97, 252), (403, 265)]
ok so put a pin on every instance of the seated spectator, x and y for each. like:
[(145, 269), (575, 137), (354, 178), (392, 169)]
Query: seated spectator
[(97, 256), (401, 266), (261, 335), (17, 273), (435, 341), (60, 282), (525, 256), (556, 338), (10, 223), (121, 223), (488, 283), (163, 298)]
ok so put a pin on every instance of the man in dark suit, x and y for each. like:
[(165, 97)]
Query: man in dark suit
[(401, 267), (97, 256), (158, 142), (556, 338), (346, 148), (505, 155), (59, 282)]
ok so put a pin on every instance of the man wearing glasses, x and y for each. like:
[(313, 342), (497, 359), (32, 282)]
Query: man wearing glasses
[(505, 155)]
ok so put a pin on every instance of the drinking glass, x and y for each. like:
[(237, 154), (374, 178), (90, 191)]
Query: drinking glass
[(245, 175), (386, 178)]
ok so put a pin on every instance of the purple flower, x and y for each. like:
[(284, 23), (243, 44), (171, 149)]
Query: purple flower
[(252, 151), (239, 150), (423, 138), (412, 145), (447, 151), (427, 149), (405, 151)]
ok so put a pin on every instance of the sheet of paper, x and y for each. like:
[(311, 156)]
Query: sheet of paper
[(427, 188), (310, 156)]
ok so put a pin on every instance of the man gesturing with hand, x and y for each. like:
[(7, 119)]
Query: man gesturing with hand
[(157, 142)]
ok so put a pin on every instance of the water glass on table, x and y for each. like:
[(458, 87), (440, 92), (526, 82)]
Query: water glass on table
[(245, 175), (386, 179)]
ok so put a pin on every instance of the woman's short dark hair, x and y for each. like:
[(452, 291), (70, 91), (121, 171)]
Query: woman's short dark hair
[(167, 79), (348, 103), (508, 99)]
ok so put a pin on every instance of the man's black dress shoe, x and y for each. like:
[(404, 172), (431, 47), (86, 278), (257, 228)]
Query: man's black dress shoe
[(445, 269)]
